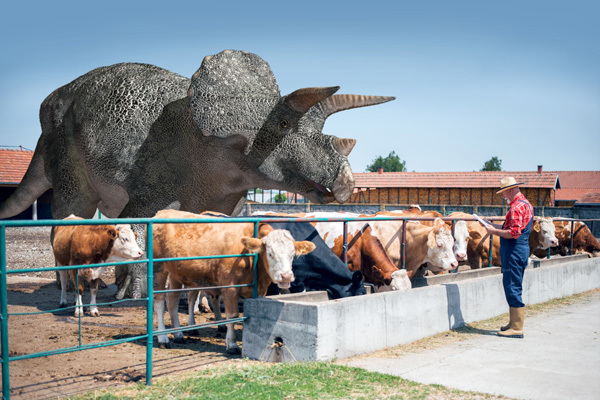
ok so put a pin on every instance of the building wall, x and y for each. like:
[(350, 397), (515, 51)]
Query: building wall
[(451, 196)]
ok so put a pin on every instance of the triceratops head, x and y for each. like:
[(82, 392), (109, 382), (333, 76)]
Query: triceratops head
[(235, 93)]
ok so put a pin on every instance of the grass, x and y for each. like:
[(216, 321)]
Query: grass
[(312, 380), (246, 379)]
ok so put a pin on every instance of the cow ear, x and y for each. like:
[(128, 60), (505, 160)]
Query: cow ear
[(304, 247), (112, 232), (474, 235), (357, 278), (379, 272), (537, 226), (252, 244), (264, 230), (438, 222), (431, 242)]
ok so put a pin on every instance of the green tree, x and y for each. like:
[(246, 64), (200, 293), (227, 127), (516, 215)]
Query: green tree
[(280, 198), (391, 163), (493, 164)]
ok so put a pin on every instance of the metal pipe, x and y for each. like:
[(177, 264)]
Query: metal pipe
[(150, 294), (345, 246), (4, 315)]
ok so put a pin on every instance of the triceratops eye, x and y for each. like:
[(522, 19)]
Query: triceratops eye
[(284, 124)]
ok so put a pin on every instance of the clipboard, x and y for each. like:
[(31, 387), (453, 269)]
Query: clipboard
[(480, 220)]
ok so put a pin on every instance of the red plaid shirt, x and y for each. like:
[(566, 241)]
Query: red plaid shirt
[(518, 216)]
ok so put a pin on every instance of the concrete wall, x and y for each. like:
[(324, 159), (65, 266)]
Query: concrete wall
[(309, 327)]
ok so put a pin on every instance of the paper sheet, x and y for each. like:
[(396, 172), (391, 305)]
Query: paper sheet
[(480, 220)]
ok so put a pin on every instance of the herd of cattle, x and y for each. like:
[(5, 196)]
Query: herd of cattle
[(381, 250)]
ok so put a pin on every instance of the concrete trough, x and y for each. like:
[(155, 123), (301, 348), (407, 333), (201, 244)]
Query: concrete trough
[(310, 327)]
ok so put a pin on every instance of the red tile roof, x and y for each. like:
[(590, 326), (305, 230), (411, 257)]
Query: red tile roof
[(579, 179), (477, 179), (582, 186), (13, 165)]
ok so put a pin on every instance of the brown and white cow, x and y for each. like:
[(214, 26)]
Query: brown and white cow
[(479, 243), (542, 235), (460, 231), (90, 244), (584, 241), (275, 247), (364, 251), (424, 244)]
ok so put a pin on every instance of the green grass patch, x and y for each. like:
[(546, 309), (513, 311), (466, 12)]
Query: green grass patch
[(310, 380)]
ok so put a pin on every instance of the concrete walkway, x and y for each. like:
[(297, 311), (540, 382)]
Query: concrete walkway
[(559, 358)]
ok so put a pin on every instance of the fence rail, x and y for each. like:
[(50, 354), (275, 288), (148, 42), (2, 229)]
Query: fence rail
[(149, 261)]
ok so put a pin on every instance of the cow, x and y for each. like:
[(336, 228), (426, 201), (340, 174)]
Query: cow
[(275, 247), (364, 251), (584, 241), (478, 244), (424, 244), (542, 235), (90, 244), (322, 269), (459, 228)]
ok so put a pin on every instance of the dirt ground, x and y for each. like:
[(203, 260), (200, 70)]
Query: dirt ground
[(74, 372)]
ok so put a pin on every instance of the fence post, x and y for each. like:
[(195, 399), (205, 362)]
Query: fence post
[(4, 315), (491, 246), (255, 266), (572, 234), (150, 312), (345, 247)]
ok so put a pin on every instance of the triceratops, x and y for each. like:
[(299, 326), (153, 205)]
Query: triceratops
[(132, 139)]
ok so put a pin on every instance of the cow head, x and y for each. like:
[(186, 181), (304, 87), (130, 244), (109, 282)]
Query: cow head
[(546, 232), (235, 92), (125, 246), (278, 248), (440, 246), (461, 238)]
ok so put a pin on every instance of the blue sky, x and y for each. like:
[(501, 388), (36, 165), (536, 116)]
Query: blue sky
[(519, 80)]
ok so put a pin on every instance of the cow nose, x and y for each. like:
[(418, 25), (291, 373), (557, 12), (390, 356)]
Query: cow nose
[(461, 257), (554, 243), (287, 276), (454, 264)]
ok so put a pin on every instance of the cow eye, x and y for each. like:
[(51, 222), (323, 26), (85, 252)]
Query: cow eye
[(284, 124), (125, 239)]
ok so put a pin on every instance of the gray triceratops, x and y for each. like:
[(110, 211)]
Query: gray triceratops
[(132, 139)]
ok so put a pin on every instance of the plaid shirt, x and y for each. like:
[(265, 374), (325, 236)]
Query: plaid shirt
[(518, 216)]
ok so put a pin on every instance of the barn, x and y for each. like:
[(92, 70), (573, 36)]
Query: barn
[(451, 188), (13, 165)]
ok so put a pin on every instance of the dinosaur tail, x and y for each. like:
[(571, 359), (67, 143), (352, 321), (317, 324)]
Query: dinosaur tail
[(33, 185)]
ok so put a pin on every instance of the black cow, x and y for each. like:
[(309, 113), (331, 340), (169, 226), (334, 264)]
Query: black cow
[(320, 269)]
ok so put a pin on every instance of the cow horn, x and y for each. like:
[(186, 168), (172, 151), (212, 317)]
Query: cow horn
[(302, 100), (341, 102), (343, 146)]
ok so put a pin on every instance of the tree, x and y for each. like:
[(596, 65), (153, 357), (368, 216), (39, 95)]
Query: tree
[(493, 164), (280, 198), (391, 163)]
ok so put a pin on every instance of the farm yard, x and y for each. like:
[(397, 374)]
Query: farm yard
[(70, 373)]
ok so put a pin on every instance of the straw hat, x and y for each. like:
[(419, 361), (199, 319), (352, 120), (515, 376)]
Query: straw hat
[(508, 183)]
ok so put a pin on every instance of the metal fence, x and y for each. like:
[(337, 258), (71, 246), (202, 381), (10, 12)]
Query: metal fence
[(149, 223)]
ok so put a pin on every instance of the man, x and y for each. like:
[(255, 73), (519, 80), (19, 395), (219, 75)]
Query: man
[(514, 252)]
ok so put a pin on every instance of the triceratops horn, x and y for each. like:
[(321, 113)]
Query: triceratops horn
[(343, 146), (302, 100), (341, 102)]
